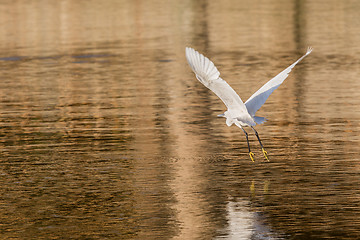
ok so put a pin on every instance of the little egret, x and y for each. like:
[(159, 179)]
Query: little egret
[(238, 113)]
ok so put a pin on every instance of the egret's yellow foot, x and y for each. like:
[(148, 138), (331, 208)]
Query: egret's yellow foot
[(251, 156), (265, 154)]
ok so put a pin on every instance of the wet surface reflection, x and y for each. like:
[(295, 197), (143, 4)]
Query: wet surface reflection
[(106, 134)]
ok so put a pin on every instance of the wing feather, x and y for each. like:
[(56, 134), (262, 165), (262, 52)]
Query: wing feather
[(260, 96), (209, 76)]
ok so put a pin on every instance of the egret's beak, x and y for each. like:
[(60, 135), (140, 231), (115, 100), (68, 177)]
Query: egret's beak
[(221, 115)]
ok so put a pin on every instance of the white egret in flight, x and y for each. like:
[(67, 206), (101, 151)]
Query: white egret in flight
[(238, 113)]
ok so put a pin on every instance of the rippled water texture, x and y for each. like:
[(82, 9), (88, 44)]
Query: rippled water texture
[(105, 133)]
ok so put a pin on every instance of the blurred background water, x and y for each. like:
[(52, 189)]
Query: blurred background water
[(105, 133)]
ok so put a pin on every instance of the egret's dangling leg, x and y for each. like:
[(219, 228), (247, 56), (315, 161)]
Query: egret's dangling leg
[(247, 140), (262, 147)]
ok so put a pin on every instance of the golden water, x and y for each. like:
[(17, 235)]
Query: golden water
[(105, 133)]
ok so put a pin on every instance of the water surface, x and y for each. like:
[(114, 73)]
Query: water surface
[(105, 133)]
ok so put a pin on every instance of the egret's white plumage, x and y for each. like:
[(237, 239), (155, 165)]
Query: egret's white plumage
[(259, 97), (237, 112)]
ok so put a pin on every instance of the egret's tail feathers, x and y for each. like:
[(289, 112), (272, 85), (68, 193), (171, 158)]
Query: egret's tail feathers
[(260, 120)]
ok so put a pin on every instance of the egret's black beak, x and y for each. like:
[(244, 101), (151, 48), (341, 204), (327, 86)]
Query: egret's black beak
[(221, 115)]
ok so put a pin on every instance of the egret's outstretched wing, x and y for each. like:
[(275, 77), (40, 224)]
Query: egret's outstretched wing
[(259, 97), (207, 74)]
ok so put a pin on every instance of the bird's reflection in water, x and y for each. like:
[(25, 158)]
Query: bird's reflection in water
[(265, 188), (243, 221), (240, 220)]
